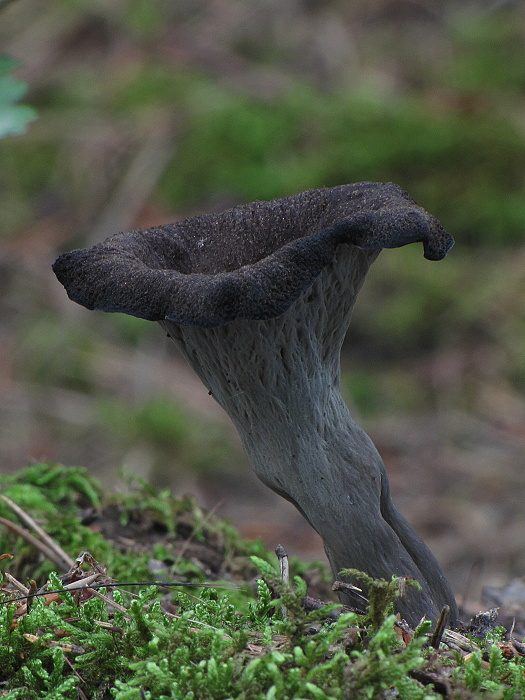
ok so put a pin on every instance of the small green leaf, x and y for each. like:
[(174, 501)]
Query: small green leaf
[(13, 120), (8, 63), (13, 117), (263, 566), (11, 90)]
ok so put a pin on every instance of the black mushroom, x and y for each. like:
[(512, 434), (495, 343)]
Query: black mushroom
[(258, 300)]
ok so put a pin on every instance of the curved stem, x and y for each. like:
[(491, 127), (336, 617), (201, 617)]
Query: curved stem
[(279, 382), (333, 474)]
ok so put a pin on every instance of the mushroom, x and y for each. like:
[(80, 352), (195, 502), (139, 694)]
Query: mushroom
[(258, 300)]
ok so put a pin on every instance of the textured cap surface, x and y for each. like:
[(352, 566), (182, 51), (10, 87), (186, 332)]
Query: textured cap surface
[(250, 262)]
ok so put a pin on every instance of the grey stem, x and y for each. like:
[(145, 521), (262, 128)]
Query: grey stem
[(278, 380)]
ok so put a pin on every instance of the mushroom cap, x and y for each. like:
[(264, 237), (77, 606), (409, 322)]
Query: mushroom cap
[(250, 262)]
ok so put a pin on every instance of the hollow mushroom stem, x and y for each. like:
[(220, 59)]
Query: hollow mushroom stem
[(259, 299), (279, 383)]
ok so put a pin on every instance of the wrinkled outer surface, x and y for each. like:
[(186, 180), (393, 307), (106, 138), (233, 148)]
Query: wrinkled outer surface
[(258, 300), (251, 262)]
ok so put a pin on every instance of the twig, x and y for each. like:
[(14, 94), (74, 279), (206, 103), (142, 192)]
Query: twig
[(355, 592), (519, 646), (441, 624), (81, 694), (350, 589), (106, 599), (32, 590), (284, 568), (49, 541), (87, 581), (456, 640), (114, 584), (14, 582), (283, 564), (68, 648), (34, 541)]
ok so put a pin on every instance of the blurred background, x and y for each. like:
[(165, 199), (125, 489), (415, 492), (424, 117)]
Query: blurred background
[(152, 110)]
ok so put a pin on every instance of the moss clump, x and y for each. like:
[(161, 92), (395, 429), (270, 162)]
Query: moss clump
[(249, 638)]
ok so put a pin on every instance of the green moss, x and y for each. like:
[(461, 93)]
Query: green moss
[(213, 643), (166, 428)]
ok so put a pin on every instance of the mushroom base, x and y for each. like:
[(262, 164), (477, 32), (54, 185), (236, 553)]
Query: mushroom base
[(279, 381)]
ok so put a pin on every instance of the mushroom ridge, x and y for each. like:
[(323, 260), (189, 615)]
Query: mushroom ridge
[(258, 299), (251, 262)]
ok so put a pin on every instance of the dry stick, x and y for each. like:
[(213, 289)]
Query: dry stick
[(49, 541), (31, 592), (108, 626), (441, 624), (116, 584), (108, 601), (344, 586), (69, 648), (458, 641), (519, 646), (14, 582), (81, 694), (35, 542), (91, 579), (284, 568), (351, 589), (354, 591), (283, 563), (86, 581), (29, 596)]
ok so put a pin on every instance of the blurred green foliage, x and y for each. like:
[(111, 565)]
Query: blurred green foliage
[(434, 103), (455, 141), (13, 117), (58, 497), (467, 170), (164, 425)]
